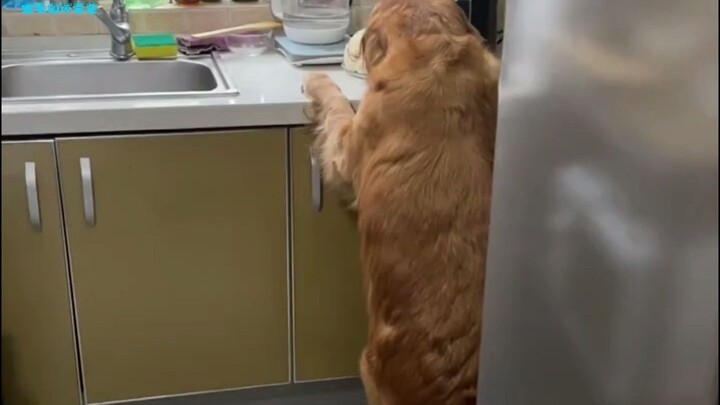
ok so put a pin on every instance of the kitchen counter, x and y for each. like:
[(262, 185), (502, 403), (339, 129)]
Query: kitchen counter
[(268, 86)]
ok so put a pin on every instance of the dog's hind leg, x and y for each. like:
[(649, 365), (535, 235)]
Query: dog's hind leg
[(371, 392)]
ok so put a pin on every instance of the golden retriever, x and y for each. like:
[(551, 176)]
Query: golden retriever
[(418, 155)]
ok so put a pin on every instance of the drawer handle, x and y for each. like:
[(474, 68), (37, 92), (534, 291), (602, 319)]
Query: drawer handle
[(87, 189), (316, 191), (32, 195)]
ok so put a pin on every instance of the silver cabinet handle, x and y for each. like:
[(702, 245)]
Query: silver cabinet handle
[(316, 191), (32, 195), (87, 189)]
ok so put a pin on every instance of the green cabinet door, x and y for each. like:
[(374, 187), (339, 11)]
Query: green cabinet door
[(329, 311), (39, 365), (178, 250)]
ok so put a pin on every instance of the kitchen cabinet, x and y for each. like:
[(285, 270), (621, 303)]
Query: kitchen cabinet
[(178, 247), (329, 310), (38, 347)]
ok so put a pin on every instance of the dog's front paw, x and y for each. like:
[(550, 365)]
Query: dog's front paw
[(313, 111), (317, 86)]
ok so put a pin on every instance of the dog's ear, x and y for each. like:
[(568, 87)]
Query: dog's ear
[(373, 47), (445, 34), (442, 48)]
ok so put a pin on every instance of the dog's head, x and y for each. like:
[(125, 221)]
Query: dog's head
[(404, 34)]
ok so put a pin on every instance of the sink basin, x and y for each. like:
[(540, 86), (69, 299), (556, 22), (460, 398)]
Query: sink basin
[(81, 78)]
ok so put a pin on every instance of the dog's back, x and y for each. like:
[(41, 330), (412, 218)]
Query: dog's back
[(423, 191)]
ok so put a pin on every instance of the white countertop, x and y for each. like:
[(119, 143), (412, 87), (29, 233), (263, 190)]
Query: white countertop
[(269, 95)]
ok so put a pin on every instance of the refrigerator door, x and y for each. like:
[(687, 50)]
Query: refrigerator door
[(602, 277)]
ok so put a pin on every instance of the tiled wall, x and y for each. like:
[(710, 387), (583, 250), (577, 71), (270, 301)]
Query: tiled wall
[(178, 19), (169, 18)]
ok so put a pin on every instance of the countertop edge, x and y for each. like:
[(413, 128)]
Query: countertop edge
[(269, 95), (169, 118)]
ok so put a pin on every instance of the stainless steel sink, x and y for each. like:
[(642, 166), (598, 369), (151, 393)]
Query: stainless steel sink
[(78, 76)]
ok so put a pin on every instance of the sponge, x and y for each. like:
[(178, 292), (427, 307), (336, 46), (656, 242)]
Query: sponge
[(154, 46)]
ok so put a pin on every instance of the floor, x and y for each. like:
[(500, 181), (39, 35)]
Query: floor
[(343, 392)]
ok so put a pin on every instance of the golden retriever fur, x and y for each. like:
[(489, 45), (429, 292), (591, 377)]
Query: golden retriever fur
[(418, 155)]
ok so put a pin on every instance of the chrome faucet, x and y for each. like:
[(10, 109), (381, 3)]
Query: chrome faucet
[(118, 24)]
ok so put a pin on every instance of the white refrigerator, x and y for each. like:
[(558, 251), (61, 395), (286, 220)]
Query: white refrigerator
[(602, 273)]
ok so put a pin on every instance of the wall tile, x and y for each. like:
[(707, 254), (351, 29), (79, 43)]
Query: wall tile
[(18, 24), (161, 21), (166, 18), (250, 14), (4, 26), (76, 25), (207, 20), (137, 21)]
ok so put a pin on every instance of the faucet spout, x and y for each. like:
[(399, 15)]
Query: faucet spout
[(117, 23)]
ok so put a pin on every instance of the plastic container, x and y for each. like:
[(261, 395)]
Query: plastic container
[(249, 44), (313, 22)]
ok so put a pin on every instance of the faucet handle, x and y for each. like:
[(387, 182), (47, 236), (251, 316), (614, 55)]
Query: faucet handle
[(103, 15), (116, 22)]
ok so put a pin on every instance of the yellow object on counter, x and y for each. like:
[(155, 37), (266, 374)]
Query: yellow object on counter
[(154, 46)]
